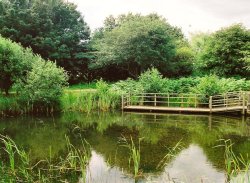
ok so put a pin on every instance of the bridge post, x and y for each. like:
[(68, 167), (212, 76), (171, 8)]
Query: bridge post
[(195, 101), (155, 100), (168, 99), (122, 101), (244, 103), (210, 103)]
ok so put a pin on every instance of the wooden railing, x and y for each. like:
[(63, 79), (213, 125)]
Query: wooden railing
[(227, 100), (164, 99)]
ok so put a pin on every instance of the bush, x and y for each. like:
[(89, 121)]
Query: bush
[(128, 86), (209, 85), (152, 81), (15, 62), (43, 85)]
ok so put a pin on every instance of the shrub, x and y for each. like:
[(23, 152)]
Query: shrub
[(43, 85), (15, 62), (209, 85), (152, 81), (127, 86)]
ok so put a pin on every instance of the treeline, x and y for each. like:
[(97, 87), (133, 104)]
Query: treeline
[(125, 46)]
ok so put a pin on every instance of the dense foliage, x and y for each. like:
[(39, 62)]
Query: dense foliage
[(43, 85), (52, 28), (126, 45), (36, 81), (225, 52), (134, 43), (15, 62), (152, 81)]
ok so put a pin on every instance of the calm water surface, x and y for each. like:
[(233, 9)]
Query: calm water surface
[(197, 161)]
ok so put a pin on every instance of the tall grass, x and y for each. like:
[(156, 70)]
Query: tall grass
[(172, 152), (134, 154), (20, 168), (237, 167), (102, 99)]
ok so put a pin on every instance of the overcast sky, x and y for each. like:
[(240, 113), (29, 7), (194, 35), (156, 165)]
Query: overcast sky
[(190, 15)]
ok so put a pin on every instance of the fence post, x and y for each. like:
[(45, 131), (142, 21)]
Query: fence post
[(168, 99), (224, 101), (244, 103), (210, 103), (155, 100), (181, 100), (129, 99), (195, 101), (122, 102)]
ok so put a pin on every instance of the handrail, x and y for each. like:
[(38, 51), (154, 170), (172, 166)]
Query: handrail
[(239, 99)]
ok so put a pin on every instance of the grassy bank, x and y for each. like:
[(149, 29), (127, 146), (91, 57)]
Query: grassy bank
[(84, 98), (104, 97)]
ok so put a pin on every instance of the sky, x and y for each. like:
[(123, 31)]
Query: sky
[(190, 15)]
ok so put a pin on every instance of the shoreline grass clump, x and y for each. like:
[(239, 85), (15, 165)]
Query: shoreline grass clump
[(103, 99), (134, 154), (17, 166), (237, 167)]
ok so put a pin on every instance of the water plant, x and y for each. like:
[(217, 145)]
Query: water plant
[(237, 167), (171, 152), (21, 169), (134, 154)]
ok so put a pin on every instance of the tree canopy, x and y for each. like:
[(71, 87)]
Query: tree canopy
[(225, 52), (52, 28), (134, 43)]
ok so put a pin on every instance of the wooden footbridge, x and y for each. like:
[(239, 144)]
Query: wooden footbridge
[(172, 102)]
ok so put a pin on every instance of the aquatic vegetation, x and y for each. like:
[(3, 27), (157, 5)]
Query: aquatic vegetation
[(172, 152), (134, 154), (21, 169), (237, 167)]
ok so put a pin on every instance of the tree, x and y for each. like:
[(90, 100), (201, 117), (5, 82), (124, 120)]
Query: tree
[(134, 43), (15, 62), (198, 43), (52, 28), (226, 52)]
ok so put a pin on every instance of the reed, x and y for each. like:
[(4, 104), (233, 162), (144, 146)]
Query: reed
[(134, 154), (89, 101), (75, 162), (171, 152), (237, 167)]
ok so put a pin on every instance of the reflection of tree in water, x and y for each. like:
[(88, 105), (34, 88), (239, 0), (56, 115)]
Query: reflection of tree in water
[(102, 131)]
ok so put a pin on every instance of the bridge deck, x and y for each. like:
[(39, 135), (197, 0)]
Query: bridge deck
[(184, 109)]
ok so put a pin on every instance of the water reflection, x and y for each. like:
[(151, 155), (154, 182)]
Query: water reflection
[(198, 160)]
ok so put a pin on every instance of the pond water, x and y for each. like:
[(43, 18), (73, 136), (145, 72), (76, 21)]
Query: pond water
[(195, 160)]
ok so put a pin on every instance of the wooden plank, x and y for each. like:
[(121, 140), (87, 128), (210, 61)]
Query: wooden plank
[(187, 109)]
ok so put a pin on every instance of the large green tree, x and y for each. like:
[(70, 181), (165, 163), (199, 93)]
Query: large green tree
[(134, 43), (225, 52), (52, 28)]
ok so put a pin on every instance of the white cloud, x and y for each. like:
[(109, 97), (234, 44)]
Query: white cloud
[(190, 15)]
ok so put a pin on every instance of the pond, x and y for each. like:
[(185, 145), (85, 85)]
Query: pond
[(196, 158)]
